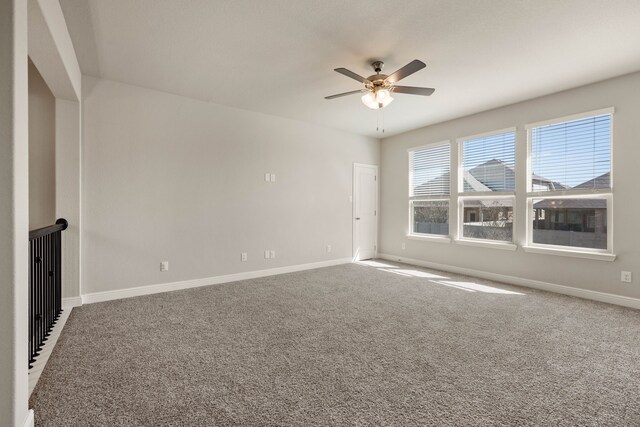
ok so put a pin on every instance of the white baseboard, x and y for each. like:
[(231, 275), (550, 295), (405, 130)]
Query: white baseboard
[(195, 283), (29, 420), (68, 303), (519, 281)]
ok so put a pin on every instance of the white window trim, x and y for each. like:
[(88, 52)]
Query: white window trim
[(430, 145), (493, 244), (572, 117), (436, 238), (572, 193)]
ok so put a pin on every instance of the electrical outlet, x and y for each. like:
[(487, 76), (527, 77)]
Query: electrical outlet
[(272, 254), (328, 248), (267, 177), (625, 276), (267, 254), (273, 177), (164, 266), (243, 257), (404, 246)]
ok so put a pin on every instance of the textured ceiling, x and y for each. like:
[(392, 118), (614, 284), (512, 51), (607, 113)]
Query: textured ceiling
[(277, 56)]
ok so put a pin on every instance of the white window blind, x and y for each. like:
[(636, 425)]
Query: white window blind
[(488, 163), (430, 170), (572, 154)]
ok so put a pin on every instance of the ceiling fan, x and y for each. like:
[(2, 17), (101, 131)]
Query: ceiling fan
[(379, 87)]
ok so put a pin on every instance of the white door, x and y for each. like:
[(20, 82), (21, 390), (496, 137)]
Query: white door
[(365, 211)]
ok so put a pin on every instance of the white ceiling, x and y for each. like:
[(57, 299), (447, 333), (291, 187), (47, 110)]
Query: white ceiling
[(277, 56)]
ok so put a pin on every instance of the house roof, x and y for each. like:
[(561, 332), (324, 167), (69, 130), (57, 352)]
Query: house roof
[(494, 175), (602, 181)]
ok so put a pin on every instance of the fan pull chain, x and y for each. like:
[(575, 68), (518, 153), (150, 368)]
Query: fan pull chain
[(379, 120)]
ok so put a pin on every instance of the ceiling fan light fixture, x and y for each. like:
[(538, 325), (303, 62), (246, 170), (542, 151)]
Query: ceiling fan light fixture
[(377, 99), (369, 100), (382, 95)]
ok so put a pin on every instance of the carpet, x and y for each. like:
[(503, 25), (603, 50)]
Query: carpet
[(377, 344)]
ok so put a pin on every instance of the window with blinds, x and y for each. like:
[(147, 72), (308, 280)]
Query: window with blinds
[(430, 170), (488, 163), (487, 186), (429, 190), (571, 155), (569, 183)]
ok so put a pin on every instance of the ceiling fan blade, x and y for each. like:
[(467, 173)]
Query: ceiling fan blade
[(411, 90), (343, 94), (351, 74), (407, 70)]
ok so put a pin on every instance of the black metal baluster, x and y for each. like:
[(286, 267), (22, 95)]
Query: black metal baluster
[(48, 275), (30, 294), (36, 288), (45, 284)]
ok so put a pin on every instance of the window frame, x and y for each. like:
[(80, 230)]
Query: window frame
[(596, 193), (484, 195), (428, 198)]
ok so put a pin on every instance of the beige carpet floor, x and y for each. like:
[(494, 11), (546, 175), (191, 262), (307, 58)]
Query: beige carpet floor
[(358, 345)]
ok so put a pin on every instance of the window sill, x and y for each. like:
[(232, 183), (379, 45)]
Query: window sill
[(488, 244), (570, 253), (429, 238)]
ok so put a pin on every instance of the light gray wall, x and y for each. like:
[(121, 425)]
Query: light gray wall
[(42, 151), (14, 213), (171, 178), (623, 93), (68, 191)]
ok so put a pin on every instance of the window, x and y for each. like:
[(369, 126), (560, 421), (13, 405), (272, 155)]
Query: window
[(429, 188), (569, 183), (487, 186)]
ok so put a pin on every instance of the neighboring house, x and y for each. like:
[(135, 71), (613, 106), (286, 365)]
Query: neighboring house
[(557, 221)]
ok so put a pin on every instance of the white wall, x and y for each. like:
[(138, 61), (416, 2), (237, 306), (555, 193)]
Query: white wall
[(42, 149), (171, 178), (68, 191), (623, 94), (14, 213)]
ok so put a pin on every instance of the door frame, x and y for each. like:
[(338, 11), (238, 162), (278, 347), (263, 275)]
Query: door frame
[(353, 208)]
